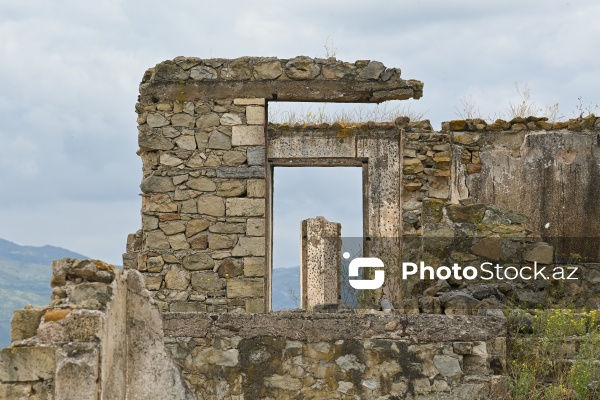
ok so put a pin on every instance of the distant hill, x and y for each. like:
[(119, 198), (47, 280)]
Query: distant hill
[(25, 279), (286, 288)]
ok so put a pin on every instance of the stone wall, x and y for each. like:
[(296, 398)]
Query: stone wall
[(208, 154), (99, 338), (548, 172), (102, 337), (338, 356), (204, 243), (473, 191)]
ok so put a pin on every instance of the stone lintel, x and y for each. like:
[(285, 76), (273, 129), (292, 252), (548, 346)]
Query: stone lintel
[(339, 91), (315, 327)]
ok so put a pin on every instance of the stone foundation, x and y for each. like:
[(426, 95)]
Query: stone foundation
[(333, 356)]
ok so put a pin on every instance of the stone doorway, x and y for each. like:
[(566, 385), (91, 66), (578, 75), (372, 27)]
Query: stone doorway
[(375, 148), (307, 192)]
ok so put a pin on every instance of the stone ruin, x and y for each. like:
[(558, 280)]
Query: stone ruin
[(189, 315)]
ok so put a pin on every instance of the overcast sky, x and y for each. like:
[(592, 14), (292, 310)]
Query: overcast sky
[(69, 74)]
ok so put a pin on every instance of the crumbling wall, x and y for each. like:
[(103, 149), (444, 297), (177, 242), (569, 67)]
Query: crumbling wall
[(470, 192), (338, 356), (502, 192), (204, 243), (548, 172), (99, 338)]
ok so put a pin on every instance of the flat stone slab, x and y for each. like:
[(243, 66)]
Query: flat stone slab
[(316, 327)]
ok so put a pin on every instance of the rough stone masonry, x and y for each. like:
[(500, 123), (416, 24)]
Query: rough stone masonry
[(204, 243), (186, 318)]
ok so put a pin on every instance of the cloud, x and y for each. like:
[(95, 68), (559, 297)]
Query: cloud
[(70, 72)]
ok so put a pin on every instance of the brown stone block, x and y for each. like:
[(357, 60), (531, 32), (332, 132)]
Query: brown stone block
[(195, 226), (169, 217), (412, 186), (472, 213), (255, 305), (256, 188), (56, 314), (25, 322), (254, 266), (249, 246), (244, 207), (153, 282), (457, 125), (187, 306), (158, 203), (245, 287), (211, 205), (207, 281), (220, 242), (488, 247), (198, 262), (199, 242), (228, 227), (412, 166), (466, 138), (542, 253), (177, 278), (229, 269), (231, 189), (255, 227), (560, 125)]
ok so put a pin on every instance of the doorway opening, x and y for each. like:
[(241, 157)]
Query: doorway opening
[(335, 193)]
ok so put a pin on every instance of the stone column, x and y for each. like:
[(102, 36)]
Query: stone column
[(320, 262)]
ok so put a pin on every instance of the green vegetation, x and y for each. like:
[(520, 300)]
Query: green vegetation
[(557, 357), (361, 113)]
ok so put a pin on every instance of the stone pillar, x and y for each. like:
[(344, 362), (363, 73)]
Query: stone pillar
[(320, 262)]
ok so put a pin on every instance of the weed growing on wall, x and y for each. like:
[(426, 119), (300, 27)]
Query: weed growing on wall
[(522, 108), (320, 114)]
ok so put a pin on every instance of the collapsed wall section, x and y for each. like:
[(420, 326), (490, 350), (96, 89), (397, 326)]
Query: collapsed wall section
[(99, 338)]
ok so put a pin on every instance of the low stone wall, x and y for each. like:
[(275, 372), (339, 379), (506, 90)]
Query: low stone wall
[(338, 356), (102, 337)]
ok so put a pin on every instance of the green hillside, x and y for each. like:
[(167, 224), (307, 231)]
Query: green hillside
[(25, 272)]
